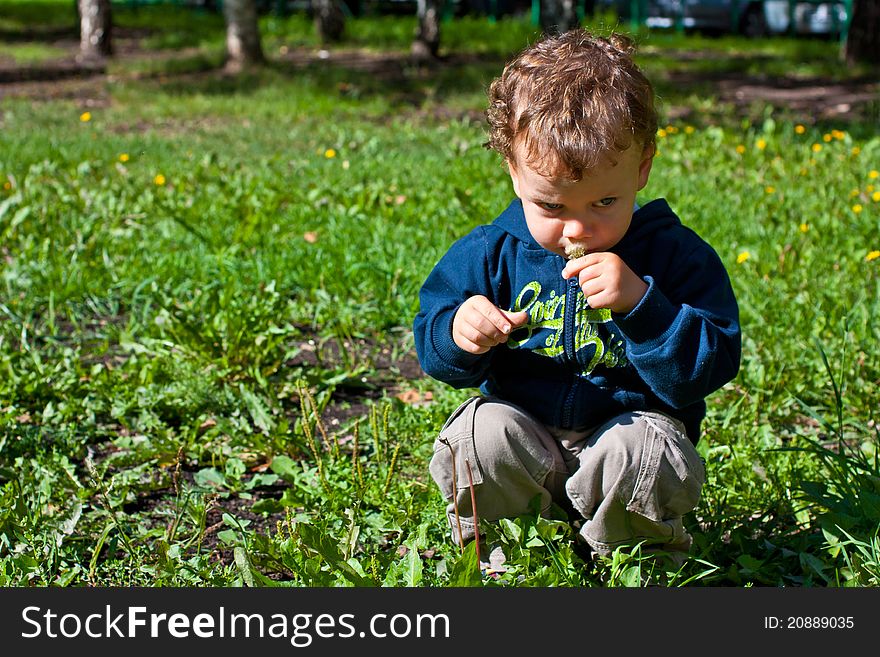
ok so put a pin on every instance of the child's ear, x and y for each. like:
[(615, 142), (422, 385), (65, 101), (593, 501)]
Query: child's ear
[(645, 165), (514, 177)]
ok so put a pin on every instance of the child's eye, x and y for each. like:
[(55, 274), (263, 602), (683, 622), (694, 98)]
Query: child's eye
[(552, 207), (606, 202)]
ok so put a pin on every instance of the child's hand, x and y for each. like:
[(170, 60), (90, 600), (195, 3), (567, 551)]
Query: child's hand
[(607, 281), (479, 325)]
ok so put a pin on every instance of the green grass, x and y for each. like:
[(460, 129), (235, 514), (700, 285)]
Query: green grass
[(200, 372)]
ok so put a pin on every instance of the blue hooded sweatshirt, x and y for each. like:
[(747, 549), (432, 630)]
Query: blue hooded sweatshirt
[(572, 366)]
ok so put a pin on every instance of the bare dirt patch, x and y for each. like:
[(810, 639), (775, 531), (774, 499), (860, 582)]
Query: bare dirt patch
[(810, 99)]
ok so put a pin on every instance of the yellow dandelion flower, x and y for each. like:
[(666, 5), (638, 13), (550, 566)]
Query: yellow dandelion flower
[(689, 129), (869, 188), (816, 148), (85, 117), (873, 175), (123, 157), (661, 133), (671, 129), (856, 150), (876, 197), (838, 134), (159, 179), (7, 185), (826, 137), (854, 193), (799, 129), (770, 189), (740, 149), (742, 257), (329, 153), (804, 228), (761, 144), (872, 255), (857, 208)]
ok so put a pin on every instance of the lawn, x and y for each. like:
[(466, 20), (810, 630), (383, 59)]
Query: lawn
[(207, 375)]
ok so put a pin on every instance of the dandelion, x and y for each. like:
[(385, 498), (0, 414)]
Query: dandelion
[(689, 129), (740, 149), (123, 157), (804, 227), (873, 175), (876, 197), (770, 189), (854, 193), (661, 133), (761, 144), (7, 185), (159, 179), (826, 137), (742, 257), (838, 134), (857, 208), (329, 153), (816, 148), (872, 255), (85, 117), (799, 129), (869, 188), (856, 150), (671, 129)]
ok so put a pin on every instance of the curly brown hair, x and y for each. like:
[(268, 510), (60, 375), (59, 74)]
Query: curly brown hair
[(570, 101)]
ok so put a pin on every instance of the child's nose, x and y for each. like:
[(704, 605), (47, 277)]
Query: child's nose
[(574, 229)]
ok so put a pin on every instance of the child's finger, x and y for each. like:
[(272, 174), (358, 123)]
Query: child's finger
[(518, 318), (496, 323), (588, 274), (574, 267)]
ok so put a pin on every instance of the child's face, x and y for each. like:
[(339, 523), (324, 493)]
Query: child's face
[(593, 213)]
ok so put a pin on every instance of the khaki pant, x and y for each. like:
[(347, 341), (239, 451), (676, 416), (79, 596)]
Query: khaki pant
[(631, 479)]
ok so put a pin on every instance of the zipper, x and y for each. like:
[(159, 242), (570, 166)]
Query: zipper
[(568, 327), (568, 335)]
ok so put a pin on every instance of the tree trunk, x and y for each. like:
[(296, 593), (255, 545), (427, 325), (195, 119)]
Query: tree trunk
[(427, 42), (329, 20), (863, 39), (558, 16), (95, 28), (243, 47)]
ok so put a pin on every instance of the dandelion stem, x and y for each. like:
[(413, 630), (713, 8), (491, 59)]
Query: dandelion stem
[(455, 494), (474, 509)]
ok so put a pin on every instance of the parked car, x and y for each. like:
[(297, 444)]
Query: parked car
[(749, 17)]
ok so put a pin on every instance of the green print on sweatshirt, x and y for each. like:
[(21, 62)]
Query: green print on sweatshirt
[(543, 333)]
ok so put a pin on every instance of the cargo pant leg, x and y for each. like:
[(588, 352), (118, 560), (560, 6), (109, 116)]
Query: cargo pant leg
[(637, 476), (511, 459)]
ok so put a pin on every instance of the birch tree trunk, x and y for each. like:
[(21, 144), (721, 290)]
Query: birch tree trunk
[(329, 20), (243, 47), (558, 16), (95, 28), (426, 44), (863, 39)]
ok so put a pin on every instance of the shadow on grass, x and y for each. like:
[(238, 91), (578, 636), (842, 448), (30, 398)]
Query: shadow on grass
[(182, 53)]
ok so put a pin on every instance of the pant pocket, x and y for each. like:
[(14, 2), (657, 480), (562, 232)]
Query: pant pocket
[(454, 464), (671, 472)]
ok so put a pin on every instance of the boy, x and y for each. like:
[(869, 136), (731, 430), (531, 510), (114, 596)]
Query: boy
[(593, 327)]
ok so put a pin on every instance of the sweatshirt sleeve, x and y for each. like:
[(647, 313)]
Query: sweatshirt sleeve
[(460, 274), (685, 341)]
